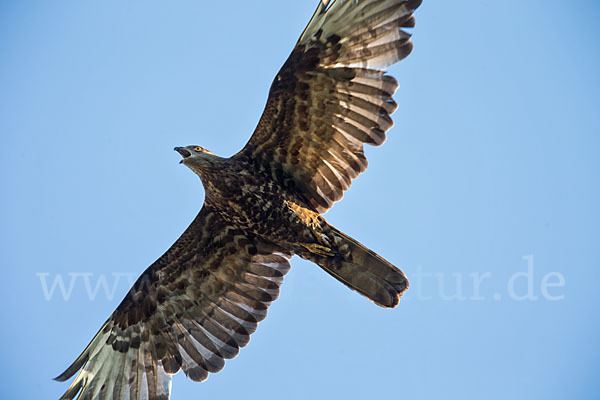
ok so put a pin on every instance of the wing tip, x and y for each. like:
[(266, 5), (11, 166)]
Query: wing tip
[(73, 368)]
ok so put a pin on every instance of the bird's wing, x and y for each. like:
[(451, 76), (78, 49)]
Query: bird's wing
[(192, 309), (331, 96)]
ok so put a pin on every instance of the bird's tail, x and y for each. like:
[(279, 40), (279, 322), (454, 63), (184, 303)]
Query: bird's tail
[(361, 269)]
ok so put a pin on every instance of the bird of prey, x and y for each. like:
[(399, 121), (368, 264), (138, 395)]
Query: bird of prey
[(199, 302)]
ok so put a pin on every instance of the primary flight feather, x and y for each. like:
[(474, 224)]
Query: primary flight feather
[(199, 302)]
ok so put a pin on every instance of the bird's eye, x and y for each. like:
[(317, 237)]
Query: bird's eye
[(198, 148)]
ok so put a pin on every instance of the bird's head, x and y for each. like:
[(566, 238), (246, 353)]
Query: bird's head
[(196, 158)]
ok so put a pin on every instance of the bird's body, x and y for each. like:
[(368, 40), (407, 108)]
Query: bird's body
[(199, 302), (268, 208), (250, 199)]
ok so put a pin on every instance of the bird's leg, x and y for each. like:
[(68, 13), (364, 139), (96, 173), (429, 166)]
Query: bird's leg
[(321, 248), (313, 224), (318, 249)]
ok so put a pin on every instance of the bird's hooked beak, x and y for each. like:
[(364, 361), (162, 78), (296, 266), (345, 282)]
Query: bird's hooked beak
[(185, 153)]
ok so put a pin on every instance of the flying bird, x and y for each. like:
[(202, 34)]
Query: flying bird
[(197, 305)]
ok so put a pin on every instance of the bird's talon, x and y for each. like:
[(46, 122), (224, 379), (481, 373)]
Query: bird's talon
[(319, 250)]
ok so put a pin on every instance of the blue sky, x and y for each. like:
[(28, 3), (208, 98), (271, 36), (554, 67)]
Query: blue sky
[(490, 175)]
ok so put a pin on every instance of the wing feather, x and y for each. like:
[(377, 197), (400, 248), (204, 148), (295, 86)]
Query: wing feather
[(331, 97), (193, 308)]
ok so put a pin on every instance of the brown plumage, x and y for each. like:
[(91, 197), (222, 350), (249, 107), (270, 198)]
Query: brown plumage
[(198, 303)]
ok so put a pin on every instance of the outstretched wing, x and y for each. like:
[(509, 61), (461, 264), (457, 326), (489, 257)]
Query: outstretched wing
[(192, 309), (331, 96)]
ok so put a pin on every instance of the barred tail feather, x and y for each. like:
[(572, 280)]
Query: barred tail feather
[(363, 270)]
